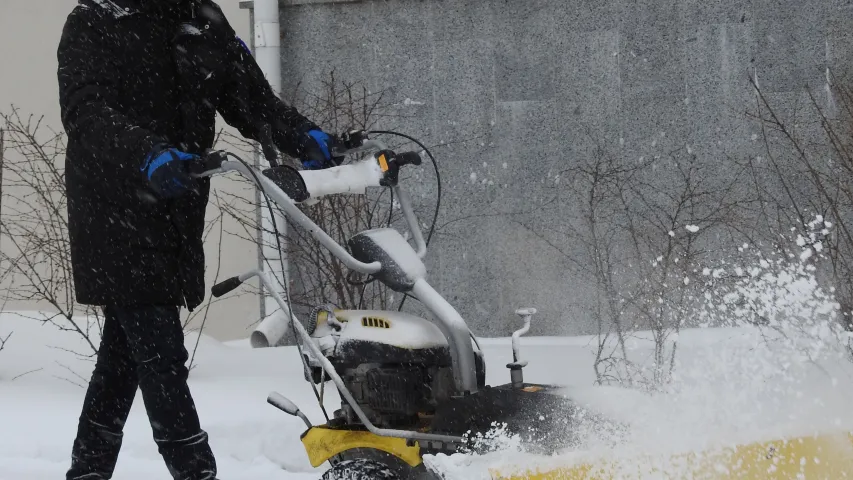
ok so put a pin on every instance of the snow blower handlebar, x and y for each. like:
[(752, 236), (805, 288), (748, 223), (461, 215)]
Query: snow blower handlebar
[(287, 187), (295, 214)]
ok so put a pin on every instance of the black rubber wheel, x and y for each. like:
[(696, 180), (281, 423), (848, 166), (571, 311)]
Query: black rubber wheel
[(360, 469)]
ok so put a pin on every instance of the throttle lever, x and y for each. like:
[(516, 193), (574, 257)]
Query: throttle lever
[(408, 158), (353, 139), (391, 162), (211, 160), (268, 145)]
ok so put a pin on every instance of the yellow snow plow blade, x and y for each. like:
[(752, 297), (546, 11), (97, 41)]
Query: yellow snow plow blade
[(815, 457)]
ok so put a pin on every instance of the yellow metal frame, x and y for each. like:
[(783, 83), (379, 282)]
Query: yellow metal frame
[(828, 456), (821, 457), (322, 443)]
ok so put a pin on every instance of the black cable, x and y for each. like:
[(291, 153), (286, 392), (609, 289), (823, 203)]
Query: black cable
[(438, 188), (434, 166), (305, 366), (391, 208)]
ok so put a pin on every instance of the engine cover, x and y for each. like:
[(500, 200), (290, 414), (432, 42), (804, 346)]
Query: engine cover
[(396, 365), (388, 338)]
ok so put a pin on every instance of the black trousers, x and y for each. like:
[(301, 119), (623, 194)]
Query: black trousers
[(141, 347)]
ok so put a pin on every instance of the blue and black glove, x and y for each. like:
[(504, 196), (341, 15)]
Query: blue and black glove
[(317, 150), (168, 171)]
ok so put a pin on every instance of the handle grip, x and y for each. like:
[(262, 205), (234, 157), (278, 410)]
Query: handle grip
[(408, 158), (210, 161), (225, 286)]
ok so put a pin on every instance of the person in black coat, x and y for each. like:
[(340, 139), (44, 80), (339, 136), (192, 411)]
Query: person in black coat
[(140, 83)]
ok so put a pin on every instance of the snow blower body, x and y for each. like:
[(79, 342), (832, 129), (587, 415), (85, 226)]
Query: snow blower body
[(412, 386), (409, 385)]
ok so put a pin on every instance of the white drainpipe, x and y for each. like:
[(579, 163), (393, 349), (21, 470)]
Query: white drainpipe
[(268, 41), (267, 46)]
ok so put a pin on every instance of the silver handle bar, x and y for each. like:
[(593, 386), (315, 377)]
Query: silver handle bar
[(289, 206)]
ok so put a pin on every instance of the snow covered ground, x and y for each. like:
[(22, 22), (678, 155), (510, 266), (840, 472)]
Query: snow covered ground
[(730, 387)]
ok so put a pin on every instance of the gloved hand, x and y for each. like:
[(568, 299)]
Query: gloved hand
[(167, 170), (317, 151)]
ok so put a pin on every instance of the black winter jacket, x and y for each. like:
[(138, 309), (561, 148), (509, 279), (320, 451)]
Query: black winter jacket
[(132, 74)]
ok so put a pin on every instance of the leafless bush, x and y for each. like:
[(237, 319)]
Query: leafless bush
[(805, 170), (4, 269), (2, 158), (337, 106), (642, 229), (34, 227)]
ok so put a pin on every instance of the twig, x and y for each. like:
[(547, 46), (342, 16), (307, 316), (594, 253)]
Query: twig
[(72, 372), (2, 167), (69, 381), (77, 354), (4, 340), (26, 373)]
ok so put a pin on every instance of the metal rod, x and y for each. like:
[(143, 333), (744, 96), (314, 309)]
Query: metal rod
[(284, 404), (516, 339), (411, 220), (457, 333)]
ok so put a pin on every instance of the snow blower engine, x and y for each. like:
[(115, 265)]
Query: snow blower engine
[(398, 367)]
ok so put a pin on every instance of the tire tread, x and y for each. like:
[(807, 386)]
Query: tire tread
[(360, 469)]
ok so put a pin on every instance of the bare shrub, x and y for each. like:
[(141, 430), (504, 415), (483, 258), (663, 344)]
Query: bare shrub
[(34, 227), (805, 170), (637, 232)]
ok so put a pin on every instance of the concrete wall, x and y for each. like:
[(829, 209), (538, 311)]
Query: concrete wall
[(29, 35), (510, 87)]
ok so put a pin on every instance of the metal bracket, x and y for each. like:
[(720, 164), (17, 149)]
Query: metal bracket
[(267, 34)]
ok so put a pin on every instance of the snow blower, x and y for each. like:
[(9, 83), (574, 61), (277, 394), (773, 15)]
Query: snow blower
[(412, 386)]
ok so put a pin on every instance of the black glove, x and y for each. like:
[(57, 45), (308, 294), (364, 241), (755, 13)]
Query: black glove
[(168, 171)]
